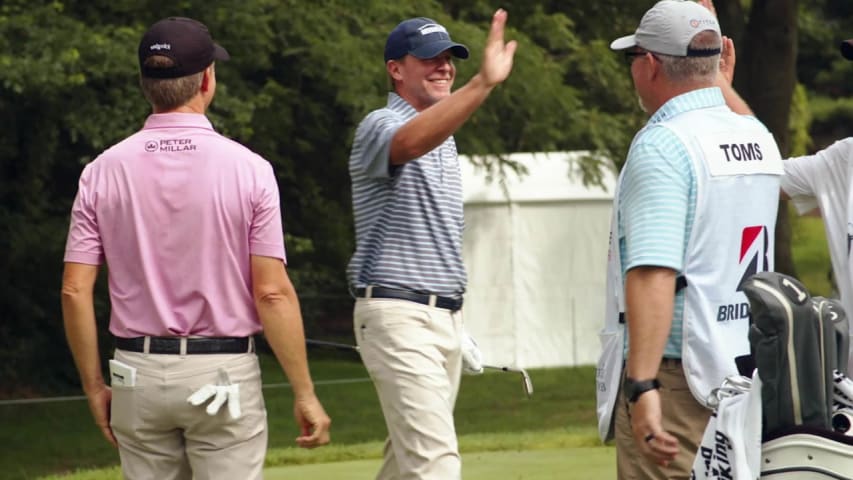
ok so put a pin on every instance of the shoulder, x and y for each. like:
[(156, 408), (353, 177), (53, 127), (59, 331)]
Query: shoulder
[(658, 146), (839, 154), (379, 119)]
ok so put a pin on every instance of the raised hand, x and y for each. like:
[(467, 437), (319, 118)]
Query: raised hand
[(709, 4), (497, 55), (727, 60)]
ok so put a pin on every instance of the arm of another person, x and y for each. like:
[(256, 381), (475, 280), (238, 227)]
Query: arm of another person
[(78, 315), (431, 127), (725, 76), (278, 309)]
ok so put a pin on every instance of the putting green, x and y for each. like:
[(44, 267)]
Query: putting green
[(550, 464)]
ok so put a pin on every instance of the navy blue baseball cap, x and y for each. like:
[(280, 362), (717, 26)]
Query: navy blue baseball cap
[(186, 41), (422, 38)]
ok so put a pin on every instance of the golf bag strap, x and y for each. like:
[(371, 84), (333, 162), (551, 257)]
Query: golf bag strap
[(680, 283)]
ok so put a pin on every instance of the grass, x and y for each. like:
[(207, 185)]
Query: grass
[(492, 414), (811, 254), (582, 462)]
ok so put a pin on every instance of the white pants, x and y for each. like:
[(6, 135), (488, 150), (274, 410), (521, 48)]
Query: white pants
[(161, 436), (412, 352)]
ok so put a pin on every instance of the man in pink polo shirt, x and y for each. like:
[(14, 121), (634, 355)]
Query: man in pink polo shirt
[(189, 224)]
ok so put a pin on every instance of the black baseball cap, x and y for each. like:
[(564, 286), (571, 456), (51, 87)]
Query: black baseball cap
[(847, 49), (423, 38), (184, 40)]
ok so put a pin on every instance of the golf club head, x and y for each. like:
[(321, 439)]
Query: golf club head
[(526, 383)]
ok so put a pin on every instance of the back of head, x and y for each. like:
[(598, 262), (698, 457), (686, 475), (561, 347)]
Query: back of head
[(683, 35), (173, 54)]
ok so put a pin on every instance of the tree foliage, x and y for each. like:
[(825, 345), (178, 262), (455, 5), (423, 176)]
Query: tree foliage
[(302, 75)]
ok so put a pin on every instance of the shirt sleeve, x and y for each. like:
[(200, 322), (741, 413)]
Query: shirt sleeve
[(266, 236), (371, 147), (83, 244), (804, 175), (654, 201)]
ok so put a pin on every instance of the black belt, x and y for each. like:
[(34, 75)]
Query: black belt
[(448, 303), (172, 345)]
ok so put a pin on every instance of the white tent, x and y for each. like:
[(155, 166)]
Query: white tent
[(535, 249)]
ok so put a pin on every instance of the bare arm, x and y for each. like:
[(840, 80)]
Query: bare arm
[(278, 309), (431, 127), (78, 315), (650, 301), (649, 304)]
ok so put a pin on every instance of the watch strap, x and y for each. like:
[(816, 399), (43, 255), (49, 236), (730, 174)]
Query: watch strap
[(635, 388)]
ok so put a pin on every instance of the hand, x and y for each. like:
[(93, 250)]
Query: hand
[(99, 403), (472, 357), (313, 422), (727, 60), (652, 440), (709, 4), (497, 55)]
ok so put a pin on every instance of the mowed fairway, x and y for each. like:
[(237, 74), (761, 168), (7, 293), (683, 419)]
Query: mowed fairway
[(549, 464)]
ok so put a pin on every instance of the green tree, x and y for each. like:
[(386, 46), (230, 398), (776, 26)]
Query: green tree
[(302, 75)]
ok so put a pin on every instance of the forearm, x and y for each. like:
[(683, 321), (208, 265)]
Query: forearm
[(78, 313), (734, 101), (282, 323), (649, 296), (429, 128)]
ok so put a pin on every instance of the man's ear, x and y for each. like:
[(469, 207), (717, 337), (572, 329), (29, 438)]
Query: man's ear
[(393, 67), (656, 68), (206, 79)]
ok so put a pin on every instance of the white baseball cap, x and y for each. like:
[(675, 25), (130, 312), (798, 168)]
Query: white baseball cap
[(669, 27)]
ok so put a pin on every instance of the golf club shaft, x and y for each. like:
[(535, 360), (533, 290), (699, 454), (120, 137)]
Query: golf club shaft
[(339, 346), (526, 383)]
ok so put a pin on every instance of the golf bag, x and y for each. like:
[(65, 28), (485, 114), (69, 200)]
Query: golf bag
[(793, 344), (798, 344)]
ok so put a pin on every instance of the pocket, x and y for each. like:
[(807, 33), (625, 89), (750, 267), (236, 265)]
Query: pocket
[(243, 372), (123, 409)]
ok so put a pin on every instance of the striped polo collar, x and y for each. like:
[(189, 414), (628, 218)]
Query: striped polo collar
[(398, 104), (693, 100)]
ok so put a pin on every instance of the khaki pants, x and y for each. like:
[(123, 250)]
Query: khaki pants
[(412, 353), (161, 436), (683, 417)]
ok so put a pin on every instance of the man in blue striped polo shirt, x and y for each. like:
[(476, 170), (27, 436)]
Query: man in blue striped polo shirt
[(407, 271), (694, 216)]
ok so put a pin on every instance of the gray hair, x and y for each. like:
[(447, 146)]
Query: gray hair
[(168, 93), (694, 69)]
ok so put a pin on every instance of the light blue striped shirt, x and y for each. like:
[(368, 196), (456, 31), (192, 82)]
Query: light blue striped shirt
[(657, 198), (408, 219)]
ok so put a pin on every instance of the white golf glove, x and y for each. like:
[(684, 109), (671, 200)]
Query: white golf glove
[(472, 358), (227, 393)]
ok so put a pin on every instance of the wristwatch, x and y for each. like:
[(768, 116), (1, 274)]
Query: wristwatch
[(634, 388)]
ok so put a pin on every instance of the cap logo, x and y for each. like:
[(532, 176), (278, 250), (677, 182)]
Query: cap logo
[(707, 22), (161, 46), (432, 28)]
